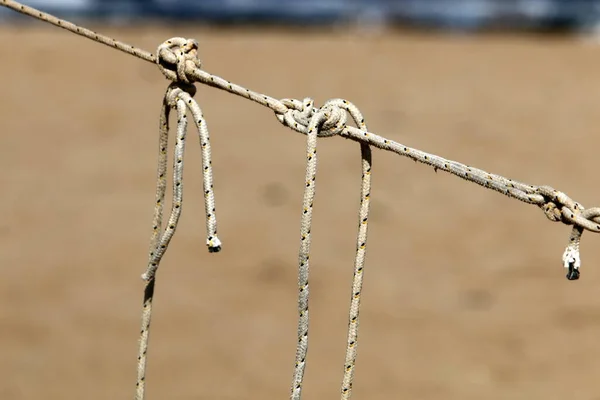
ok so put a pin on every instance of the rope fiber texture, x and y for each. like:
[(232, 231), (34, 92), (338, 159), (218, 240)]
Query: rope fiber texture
[(177, 59)]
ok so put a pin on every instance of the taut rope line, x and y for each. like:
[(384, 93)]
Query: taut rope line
[(178, 60)]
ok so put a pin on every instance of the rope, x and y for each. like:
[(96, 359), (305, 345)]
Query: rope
[(359, 261), (177, 59), (61, 23), (161, 188), (179, 97), (315, 125)]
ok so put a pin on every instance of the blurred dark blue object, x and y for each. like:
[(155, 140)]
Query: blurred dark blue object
[(446, 14)]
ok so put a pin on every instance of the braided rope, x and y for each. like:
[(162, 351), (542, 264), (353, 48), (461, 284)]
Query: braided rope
[(304, 253), (179, 97), (178, 60), (61, 23), (361, 249)]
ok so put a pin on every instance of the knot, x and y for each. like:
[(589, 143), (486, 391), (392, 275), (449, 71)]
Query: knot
[(173, 55), (559, 207), (300, 113)]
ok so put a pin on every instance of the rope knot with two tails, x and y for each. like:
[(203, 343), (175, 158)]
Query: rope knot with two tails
[(559, 207), (332, 117)]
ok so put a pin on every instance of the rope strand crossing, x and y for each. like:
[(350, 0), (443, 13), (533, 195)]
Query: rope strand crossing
[(178, 60)]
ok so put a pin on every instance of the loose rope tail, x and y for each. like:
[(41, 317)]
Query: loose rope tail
[(361, 249), (159, 243), (304, 252), (329, 120), (161, 185)]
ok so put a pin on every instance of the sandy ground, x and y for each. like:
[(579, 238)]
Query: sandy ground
[(464, 296)]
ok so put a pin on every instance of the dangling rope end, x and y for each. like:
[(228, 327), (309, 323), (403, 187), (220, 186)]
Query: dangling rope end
[(571, 257), (572, 262)]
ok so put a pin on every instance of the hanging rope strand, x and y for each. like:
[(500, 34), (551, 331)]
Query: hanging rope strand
[(212, 241), (361, 249), (156, 250), (304, 252), (165, 238)]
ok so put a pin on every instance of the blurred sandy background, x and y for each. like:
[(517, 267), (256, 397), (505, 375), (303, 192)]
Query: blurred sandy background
[(465, 295)]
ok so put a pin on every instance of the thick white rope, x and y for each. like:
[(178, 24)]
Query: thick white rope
[(178, 60), (361, 249), (179, 97), (304, 253)]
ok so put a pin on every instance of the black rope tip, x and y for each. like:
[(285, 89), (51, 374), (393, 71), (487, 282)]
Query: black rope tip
[(214, 249), (573, 273)]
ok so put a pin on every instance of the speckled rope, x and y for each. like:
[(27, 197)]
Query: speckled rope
[(161, 186), (328, 121), (178, 60), (361, 248), (178, 96), (304, 252), (159, 242), (295, 114), (61, 23)]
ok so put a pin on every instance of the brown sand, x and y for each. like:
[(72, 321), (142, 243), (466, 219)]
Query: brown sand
[(464, 297)]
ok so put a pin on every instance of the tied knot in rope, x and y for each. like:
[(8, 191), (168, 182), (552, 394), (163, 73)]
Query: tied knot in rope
[(300, 113), (559, 207), (173, 56)]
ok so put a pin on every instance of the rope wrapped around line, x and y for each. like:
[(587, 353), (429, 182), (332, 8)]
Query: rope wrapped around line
[(557, 206), (177, 59)]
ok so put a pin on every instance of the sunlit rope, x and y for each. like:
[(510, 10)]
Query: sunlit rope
[(178, 60)]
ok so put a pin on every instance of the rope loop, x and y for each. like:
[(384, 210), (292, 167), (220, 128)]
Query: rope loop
[(175, 89), (173, 56), (299, 114)]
